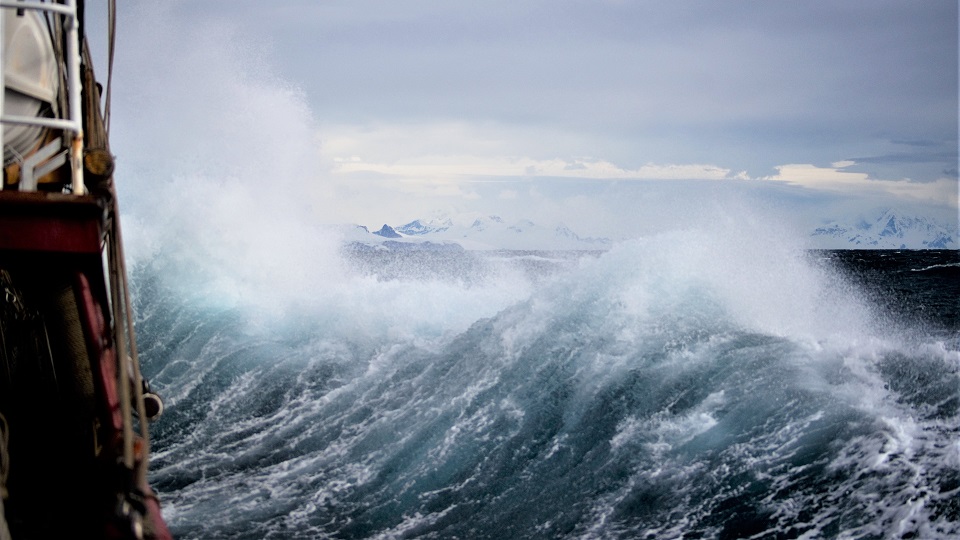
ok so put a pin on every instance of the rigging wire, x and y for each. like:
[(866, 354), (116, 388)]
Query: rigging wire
[(111, 46)]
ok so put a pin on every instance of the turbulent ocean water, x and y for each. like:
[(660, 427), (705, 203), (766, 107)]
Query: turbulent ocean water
[(673, 387)]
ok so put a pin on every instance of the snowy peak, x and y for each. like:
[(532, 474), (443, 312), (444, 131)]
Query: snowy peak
[(419, 227), (486, 222), (492, 232), (387, 232), (522, 226), (477, 232), (887, 229)]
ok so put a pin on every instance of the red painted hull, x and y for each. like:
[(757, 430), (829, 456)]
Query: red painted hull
[(58, 240)]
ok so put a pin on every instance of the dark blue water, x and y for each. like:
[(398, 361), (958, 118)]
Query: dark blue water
[(673, 387)]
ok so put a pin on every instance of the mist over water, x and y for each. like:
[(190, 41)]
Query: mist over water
[(645, 391), (689, 383)]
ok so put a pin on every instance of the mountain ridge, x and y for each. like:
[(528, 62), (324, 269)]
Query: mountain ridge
[(882, 228), (886, 228), (472, 232)]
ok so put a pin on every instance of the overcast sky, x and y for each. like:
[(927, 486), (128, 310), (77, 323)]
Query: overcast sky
[(590, 111)]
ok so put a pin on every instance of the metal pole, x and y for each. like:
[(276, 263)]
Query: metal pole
[(73, 89), (3, 91)]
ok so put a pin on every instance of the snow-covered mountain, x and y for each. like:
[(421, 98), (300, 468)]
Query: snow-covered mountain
[(387, 232), (888, 228), (419, 227), (882, 229), (474, 232)]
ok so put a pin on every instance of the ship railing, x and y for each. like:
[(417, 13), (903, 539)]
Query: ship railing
[(51, 156)]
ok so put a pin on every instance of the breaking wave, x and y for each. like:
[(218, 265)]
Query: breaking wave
[(682, 385), (686, 384)]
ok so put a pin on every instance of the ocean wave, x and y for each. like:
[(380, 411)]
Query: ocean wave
[(674, 386)]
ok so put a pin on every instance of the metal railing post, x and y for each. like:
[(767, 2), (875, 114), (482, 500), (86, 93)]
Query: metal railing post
[(3, 92), (73, 91)]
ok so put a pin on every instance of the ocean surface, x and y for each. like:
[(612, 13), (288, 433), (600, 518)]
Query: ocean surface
[(672, 387)]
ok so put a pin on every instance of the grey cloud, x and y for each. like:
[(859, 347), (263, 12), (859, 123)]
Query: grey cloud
[(937, 157), (743, 84)]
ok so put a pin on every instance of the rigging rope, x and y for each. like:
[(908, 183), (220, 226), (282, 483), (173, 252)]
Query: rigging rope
[(4, 455), (4, 472), (111, 45)]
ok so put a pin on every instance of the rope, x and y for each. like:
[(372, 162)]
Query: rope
[(111, 40), (127, 353), (4, 472), (4, 455), (126, 338), (123, 381), (127, 333)]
